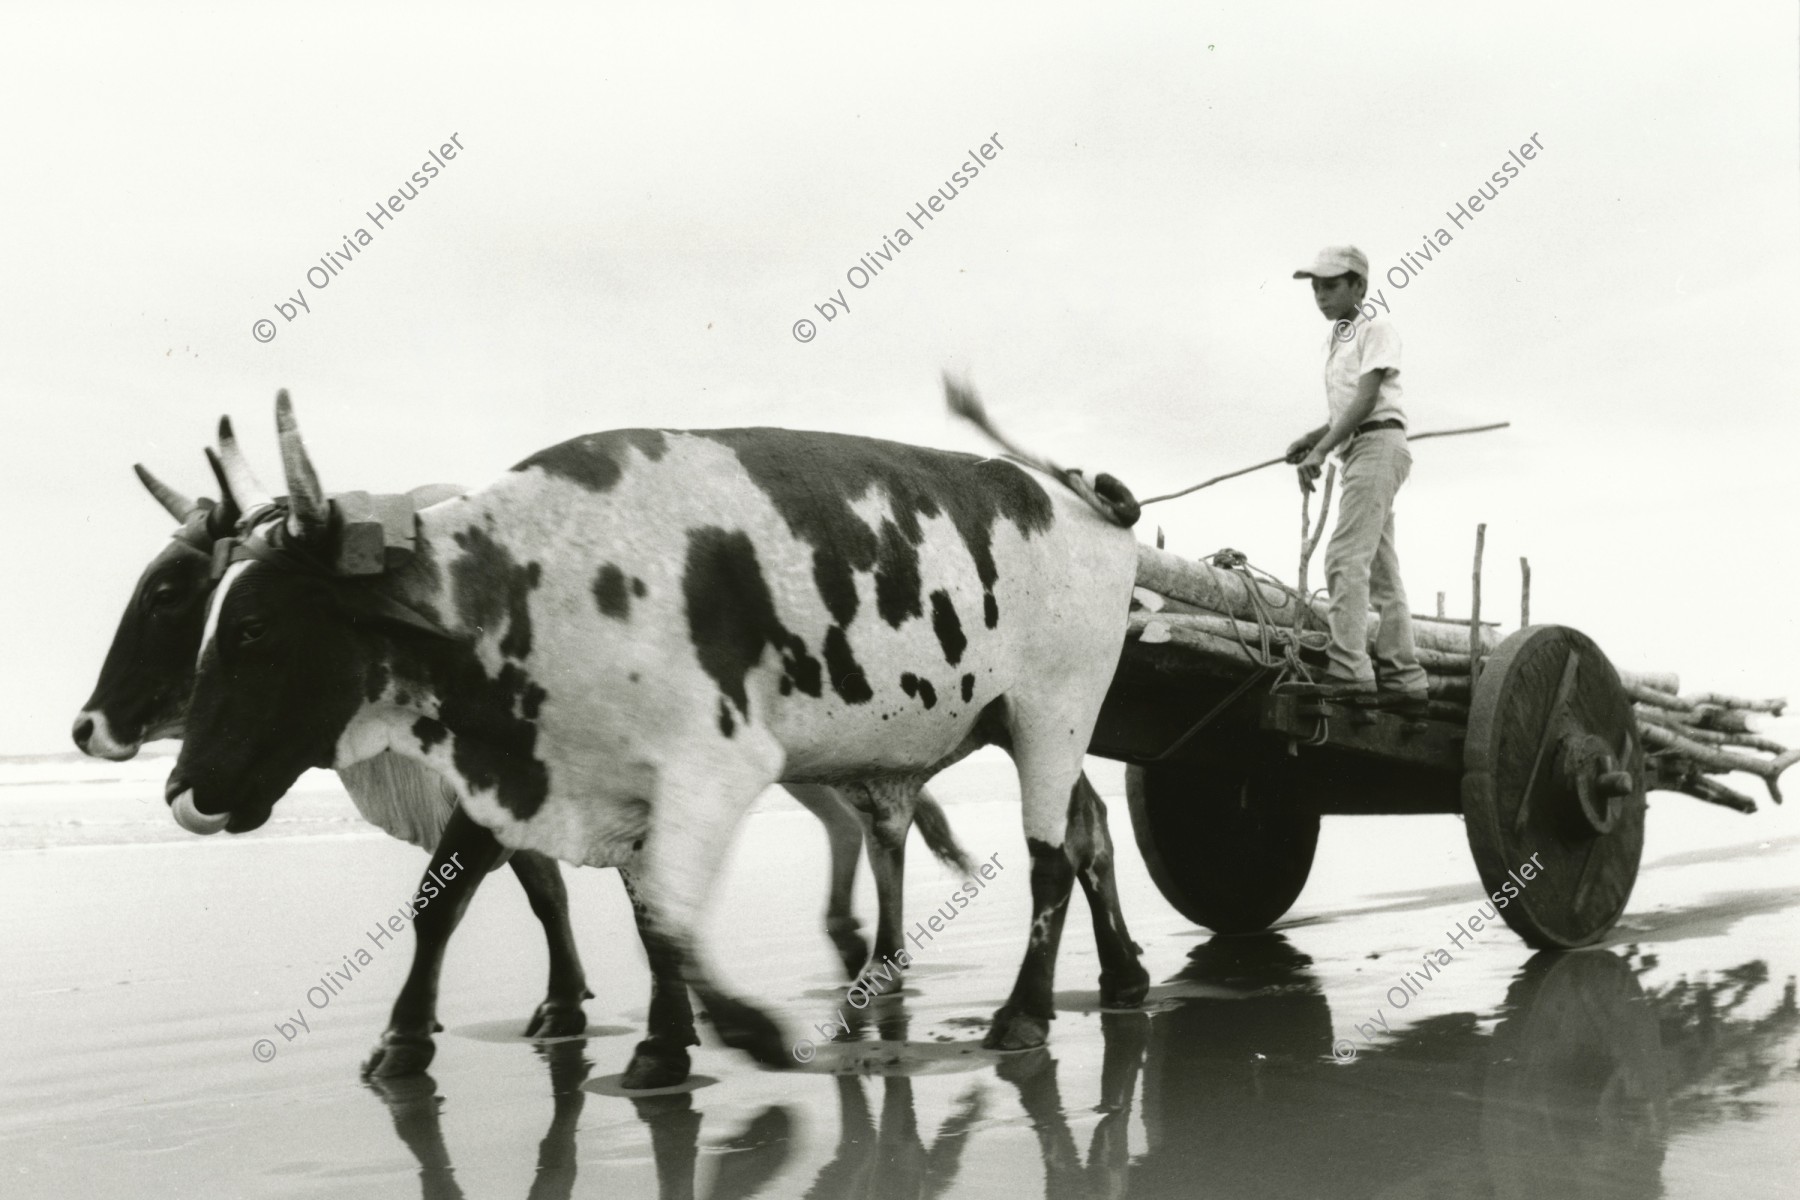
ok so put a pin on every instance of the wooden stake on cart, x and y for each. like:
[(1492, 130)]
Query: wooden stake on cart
[(1524, 591), (1440, 611), (1475, 611), (1309, 541)]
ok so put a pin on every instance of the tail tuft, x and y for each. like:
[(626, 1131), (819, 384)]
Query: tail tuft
[(934, 827)]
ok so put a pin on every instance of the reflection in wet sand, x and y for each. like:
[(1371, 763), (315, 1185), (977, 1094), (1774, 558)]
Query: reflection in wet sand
[(750, 1159), (1574, 1084)]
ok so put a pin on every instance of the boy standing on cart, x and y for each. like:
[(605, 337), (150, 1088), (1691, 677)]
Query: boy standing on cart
[(1367, 427)]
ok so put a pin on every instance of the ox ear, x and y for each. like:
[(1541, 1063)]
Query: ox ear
[(179, 506), (223, 518), (309, 512)]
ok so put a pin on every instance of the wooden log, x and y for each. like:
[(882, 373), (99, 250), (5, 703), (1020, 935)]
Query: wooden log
[(1228, 593), (1725, 720), (1653, 698), (1226, 628), (1718, 758), (1447, 687), (1774, 707), (1714, 792), (1158, 629), (1658, 681), (1434, 661), (1210, 587), (1709, 737), (1705, 716)]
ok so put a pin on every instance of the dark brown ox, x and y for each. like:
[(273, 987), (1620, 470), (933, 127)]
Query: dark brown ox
[(611, 651)]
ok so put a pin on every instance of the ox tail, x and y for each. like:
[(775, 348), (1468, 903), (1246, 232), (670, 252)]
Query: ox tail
[(934, 827), (1106, 494)]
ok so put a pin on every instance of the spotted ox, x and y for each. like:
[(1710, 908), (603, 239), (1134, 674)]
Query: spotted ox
[(142, 693), (613, 649)]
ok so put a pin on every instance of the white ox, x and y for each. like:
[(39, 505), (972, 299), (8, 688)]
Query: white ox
[(615, 648)]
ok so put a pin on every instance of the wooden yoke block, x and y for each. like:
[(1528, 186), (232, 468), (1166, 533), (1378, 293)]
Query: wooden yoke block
[(376, 533), (362, 540)]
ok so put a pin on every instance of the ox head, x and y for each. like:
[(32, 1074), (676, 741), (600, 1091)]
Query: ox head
[(288, 652), (149, 669)]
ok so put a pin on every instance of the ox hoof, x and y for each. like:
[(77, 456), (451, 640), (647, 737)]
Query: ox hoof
[(399, 1054), (744, 1027), (1124, 989), (852, 947), (1014, 1030), (559, 1018), (655, 1064)]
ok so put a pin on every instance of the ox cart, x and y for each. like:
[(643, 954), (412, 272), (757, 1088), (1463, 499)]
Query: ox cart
[(1540, 743)]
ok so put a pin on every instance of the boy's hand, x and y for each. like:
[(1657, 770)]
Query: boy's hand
[(1300, 447), (1310, 466)]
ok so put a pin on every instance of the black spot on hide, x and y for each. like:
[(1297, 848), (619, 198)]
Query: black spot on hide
[(732, 618), (812, 479), (429, 732), (847, 678), (610, 594), (948, 627), (597, 460), (490, 584)]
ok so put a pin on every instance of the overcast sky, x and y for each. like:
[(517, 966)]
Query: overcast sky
[(646, 202)]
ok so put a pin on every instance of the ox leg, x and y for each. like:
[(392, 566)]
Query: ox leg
[(886, 809), (560, 1014), (698, 804), (661, 1059), (1049, 766), (845, 834), (1123, 980), (471, 852)]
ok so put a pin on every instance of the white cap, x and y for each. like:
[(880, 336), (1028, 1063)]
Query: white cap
[(1333, 261)]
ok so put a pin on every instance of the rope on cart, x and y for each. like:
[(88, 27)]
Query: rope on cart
[(1278, 646)]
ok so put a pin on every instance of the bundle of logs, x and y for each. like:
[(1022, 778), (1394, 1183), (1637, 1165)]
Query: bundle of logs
[(1223, 612)]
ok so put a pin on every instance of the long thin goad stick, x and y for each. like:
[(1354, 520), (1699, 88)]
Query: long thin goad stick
[(1416, 437)]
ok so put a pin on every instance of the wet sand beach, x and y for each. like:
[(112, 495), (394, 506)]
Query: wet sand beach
[(1660, 1063)]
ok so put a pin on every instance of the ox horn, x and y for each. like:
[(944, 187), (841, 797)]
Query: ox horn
[(224, 516), (240, 481), (308, 509), (180, 507)]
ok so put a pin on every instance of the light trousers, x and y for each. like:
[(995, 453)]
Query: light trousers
[(1363, 571)]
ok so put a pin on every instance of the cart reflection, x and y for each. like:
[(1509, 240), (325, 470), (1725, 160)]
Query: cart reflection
[(1573, 1085)]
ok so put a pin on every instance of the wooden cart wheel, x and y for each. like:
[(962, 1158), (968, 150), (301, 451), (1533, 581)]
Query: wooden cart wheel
[(1230, 849), (1554, 768)]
